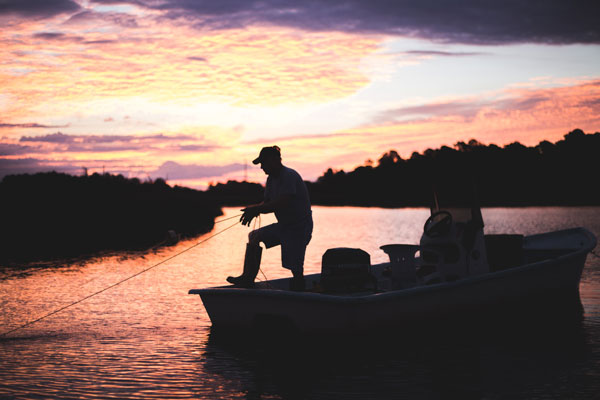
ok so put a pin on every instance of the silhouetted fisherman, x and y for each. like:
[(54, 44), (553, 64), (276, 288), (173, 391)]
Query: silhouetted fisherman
[(285, 195)]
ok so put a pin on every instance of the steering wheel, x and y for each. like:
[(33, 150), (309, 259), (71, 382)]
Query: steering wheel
[(438, 224)]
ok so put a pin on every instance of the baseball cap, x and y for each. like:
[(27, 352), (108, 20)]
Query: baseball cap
[(265, 152)]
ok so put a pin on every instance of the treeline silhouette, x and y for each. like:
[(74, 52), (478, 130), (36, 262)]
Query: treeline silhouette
[(564, 173), (49, 216)]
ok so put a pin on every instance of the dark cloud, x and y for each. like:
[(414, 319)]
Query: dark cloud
[(81, 148), (58, 36), (66, 143), (195, 58), (11, 149), (460, 21), (60, 137), (49, 35), (173, 170), (169, 169), (32, 166), (142, 3), (194, 147), (37, 8), (57, 137), (114, 143), (463, 108), (595, 103), (443, 53), (520, 104), (167, 138), (121, 19), (103, 41), (30, 125)]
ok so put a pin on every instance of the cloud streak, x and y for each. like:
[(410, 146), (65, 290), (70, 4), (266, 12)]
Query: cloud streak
[(10, 166), (462, 21), (60, 137), (435, 53), (466, 108), (32, 125), (38, 8), (176, 171)]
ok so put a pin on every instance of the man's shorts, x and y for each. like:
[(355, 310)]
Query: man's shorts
[(293, 240)]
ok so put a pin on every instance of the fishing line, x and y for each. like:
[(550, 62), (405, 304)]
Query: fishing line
[(115, 284), (227, 219)]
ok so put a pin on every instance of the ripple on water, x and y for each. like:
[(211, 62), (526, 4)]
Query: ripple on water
[(149, 339)]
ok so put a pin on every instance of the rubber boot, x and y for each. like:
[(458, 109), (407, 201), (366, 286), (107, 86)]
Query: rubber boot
[(251, 267)]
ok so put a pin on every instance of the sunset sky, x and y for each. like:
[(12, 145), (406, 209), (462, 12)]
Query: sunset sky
[(191, 90)]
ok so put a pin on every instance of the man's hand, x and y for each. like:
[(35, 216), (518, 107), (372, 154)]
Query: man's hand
[(249, 214)]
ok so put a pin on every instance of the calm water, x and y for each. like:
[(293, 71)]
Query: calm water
[(148, 338)]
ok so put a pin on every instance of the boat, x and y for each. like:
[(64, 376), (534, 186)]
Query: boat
[(455, 270)]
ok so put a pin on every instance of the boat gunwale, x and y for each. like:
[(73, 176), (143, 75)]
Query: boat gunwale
[(358, 299)]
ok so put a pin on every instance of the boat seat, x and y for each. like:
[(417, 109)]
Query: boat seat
[(402, 259)]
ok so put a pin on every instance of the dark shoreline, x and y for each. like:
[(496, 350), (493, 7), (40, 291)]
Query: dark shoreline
[(49, 217)]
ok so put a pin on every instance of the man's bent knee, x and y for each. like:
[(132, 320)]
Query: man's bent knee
[(253, 237)]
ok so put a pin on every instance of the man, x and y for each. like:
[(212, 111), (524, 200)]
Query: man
[(285, 195)]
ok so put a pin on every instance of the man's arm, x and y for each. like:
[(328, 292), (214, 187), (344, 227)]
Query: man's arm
[(265, 208)]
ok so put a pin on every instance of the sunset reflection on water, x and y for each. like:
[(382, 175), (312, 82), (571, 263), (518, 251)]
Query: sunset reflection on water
[(148, 338)]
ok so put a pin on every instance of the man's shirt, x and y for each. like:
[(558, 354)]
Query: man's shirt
[(289, 182)]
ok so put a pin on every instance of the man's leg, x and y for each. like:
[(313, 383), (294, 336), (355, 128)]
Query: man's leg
[(292, 258), (293, 250), (253, 255)]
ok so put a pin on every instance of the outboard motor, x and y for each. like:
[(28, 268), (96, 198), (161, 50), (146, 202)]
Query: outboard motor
[(452, 246)]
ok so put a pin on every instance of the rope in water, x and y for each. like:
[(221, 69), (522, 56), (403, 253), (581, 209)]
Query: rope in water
[(115, 284)]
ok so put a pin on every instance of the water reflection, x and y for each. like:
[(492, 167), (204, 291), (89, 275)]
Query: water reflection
[(464, 359), (149, 339)]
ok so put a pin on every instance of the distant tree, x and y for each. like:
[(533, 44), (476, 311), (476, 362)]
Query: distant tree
[(546, 174), (390, 158)]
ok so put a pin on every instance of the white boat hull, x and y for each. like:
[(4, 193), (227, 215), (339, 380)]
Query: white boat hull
[(558, 273)]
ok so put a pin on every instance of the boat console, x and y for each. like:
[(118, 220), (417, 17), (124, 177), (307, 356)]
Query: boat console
[(452, 246)]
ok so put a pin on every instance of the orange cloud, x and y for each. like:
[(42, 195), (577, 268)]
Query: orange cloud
[(60, 67)]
